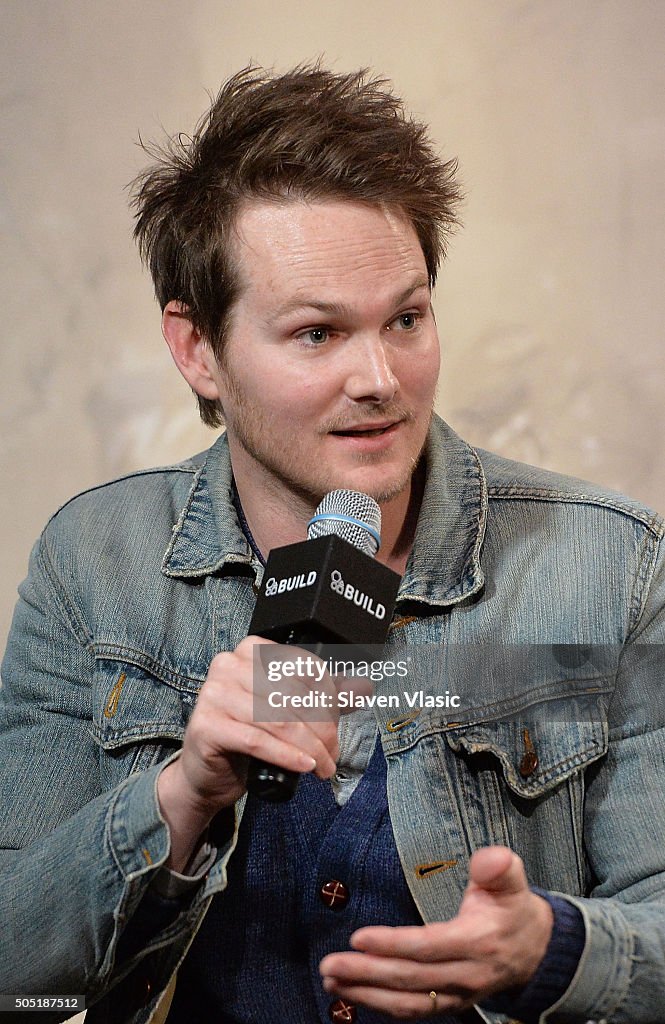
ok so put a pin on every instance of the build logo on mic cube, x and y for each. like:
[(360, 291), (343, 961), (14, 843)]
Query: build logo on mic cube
[(326, 590)]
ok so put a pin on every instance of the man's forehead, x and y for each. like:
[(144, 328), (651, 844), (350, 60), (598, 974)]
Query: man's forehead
[(319, 244), (289, 219)]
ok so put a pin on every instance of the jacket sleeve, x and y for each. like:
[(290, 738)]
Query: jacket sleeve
[(621, 974), (76, 863)]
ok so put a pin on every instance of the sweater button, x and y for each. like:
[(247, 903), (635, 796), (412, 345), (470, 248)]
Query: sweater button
[(335, 895), (342, 1012)]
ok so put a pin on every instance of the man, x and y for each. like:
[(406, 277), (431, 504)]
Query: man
[(293, 243)]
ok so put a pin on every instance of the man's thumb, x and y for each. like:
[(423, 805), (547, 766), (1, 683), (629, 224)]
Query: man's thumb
[(497, 869)]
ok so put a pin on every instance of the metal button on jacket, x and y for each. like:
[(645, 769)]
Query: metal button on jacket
[(528, 764)]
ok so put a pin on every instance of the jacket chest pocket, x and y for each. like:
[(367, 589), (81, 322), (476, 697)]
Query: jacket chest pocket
[(523, 783), (139, 716)]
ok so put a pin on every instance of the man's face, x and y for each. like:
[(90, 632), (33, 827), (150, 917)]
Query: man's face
[(332, 356)]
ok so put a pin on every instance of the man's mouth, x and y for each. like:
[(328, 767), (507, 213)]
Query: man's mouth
[(365, 431)]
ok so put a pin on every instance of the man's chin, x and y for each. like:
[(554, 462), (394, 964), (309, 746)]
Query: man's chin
[(377, 486)]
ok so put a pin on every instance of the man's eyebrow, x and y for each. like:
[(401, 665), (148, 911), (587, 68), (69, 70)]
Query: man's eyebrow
[(339, 308)]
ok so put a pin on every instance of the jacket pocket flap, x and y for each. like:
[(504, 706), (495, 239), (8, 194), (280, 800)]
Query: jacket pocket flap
[(131, 704), (536, 755)]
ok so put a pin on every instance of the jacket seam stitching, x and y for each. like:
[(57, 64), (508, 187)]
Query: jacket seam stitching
[(643, 580), (177, 529), (138, 658), (153, 471), (75, 622), (481, 519), (653, 522)]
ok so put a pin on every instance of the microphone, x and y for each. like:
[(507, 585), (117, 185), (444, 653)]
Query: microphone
[(325, 590)]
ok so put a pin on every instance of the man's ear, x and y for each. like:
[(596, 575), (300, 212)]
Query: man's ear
[(190, 351)]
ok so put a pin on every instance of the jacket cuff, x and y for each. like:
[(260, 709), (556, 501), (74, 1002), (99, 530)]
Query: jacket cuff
[(171, 884), (602, 982), (137, 833)]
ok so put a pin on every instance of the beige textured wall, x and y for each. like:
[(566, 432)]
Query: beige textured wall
[(551, 307)]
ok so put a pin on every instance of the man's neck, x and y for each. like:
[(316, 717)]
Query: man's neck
[(277, 517), (398, 525)]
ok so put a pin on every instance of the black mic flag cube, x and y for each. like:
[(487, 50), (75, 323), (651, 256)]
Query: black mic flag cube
[(325, 591)]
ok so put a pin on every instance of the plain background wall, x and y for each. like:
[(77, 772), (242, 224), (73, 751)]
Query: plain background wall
[(551, 305)]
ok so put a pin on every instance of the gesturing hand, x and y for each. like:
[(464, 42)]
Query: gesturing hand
[(496, 942)]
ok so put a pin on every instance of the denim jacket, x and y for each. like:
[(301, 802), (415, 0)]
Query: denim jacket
[(135, 585)]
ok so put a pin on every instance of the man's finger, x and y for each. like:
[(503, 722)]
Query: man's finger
[(429, 943), (496, 869), (399, 974), (399, 1005)]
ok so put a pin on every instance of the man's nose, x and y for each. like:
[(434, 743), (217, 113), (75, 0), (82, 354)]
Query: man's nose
[(370, 377)]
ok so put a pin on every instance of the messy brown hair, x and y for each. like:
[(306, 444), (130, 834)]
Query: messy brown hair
[(310, 134)]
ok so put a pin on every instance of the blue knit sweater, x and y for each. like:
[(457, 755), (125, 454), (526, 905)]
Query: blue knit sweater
[(256, 958)]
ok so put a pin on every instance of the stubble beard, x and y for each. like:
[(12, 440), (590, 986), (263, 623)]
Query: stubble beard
[(277, 460)]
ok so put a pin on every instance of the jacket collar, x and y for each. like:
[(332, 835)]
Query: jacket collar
[(208, 537), (444, 566)]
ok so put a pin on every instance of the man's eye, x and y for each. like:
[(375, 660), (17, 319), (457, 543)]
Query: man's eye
[(407, 321), (316, 335)]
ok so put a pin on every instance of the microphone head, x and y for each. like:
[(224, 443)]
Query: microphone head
[(351, 515)]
